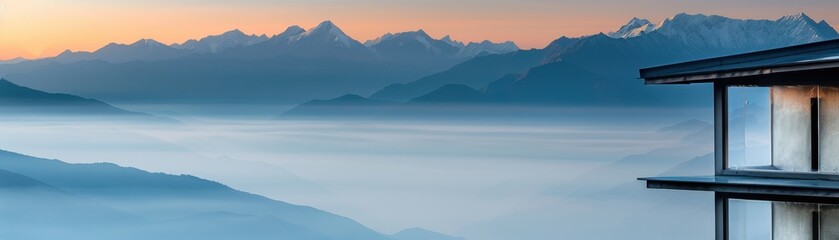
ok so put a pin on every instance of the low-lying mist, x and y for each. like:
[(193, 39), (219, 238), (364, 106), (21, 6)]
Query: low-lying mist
[(455, 176)]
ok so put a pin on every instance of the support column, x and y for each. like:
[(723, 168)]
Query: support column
[(720, 127), (721, 216)]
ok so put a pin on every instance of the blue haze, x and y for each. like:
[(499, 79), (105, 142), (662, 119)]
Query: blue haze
[(531, 144)]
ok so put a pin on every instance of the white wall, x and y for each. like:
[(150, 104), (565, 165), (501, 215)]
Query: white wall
[(829, 129), (792, 221), (829, 225), (791, 127)]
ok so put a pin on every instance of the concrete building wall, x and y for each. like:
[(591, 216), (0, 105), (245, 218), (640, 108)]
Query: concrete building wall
[(829, 129), (829, 223), (792, 221), (791, 127)]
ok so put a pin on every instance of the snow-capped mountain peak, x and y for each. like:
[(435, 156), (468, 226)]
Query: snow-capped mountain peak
[(422, 32), (217, 43), (633, 28), (404, 37), (487, 47), (147, 43), (378, 40), (143, 49), (389, 44), (797, 17), (289, 33), (293, 30), (324, 25), (328, 31), (454, 43), (728, 32), (234, 33), (140, 45), (425, 40)]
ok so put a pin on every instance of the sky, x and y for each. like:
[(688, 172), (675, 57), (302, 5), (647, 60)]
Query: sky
[(42, 28)]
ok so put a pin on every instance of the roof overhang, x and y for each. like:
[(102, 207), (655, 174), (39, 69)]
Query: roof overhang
[(780, 187), (790, 61)]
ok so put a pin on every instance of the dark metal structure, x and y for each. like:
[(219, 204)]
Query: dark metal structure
[(770, 66), (815, 64)]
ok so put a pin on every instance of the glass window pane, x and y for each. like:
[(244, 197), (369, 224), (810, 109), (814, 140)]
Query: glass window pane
[(785, 128), (749, 129), (736, 128), (749, 220), (778, 220)]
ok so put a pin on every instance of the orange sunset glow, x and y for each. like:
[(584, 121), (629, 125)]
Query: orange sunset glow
[(42, 28), (419, 119)]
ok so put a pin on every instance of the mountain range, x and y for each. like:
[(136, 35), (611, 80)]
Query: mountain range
[(17, 101), (290, 67), (322, 40), (107, 201), (598, 70), (417, 47), (397, 73), (221, 42)]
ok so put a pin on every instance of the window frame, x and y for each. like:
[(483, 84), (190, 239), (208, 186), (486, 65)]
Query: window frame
[(721, 143)]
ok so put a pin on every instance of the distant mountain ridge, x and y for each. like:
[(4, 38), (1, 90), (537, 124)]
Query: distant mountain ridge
[(218, 43), (149, 202), (633, 28), (799, 28), (324, 63), (601, 70), (107, 201), (315, 42), (15, 100), (732, 33), (326, 40), (291, 67), (417, 43), (679, 38), (141, 50), (474, 73), (14, 60)]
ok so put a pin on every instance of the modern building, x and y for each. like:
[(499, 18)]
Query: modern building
[(776, 118)]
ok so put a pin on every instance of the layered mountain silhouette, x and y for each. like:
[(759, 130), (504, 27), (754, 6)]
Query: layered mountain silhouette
[(418, 47), (323, 62), (233, 67), (118, 202), (141, 50), (325, 40), (349, 105), (221, 42), (14, 60), (474, 73), (29, 206), (601, 69), (19, 100)]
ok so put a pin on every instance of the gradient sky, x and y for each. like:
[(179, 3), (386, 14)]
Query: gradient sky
[(38, 28)]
